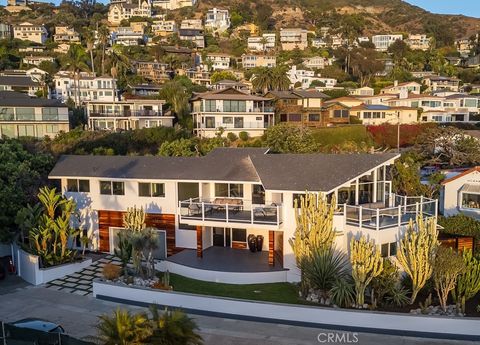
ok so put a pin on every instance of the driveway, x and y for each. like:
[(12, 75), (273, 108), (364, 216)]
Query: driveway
[(78, 314)]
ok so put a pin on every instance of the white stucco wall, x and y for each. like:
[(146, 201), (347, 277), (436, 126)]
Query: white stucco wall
[(451, 196)]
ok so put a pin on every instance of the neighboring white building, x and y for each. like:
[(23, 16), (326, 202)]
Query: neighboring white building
[(217, 20), (293, 38), (205, 214), (86, 88), (192, 30), (29, 32), (232, 110), (461, 194), (262, 43), (377, 114), (306, 77), (402, 88), (164, 28), (419, 42), (173, 4), (65, 34), (317, 62), (36, 60), (362, 91), (126, 36), (441, 83), (382, 42), (252, 61), (132, 113), (23, 115), (217, 61), (125, 10)]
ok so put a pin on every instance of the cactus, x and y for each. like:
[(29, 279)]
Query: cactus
[(417, 251), (134, 219), (468, 283), (448, 265), (314, 229), (166, 279), (367, 263)]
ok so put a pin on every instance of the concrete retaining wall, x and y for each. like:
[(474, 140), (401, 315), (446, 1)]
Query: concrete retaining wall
[(29, 269), (359, 321)]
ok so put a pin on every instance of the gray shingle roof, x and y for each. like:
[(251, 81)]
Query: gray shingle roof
[(17, 80), (296, 172), (13, 98)]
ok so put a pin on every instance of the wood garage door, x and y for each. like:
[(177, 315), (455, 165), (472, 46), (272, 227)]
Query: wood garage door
[(107, 219)]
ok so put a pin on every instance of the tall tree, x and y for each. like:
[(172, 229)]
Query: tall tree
[(76, 61), (103, 37)]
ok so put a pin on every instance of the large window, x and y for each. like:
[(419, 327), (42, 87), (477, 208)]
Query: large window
[(26, 131), (234, 106), (6, 114), (229, 190), (151, 189), (74, 185), (25, 114), (210, 105), (339, 113), (295, 117), (50, 114), (388, 249), (314, 117), (112, 188), (471, 200)]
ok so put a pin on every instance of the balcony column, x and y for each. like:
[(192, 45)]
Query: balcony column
[(357, 191), (199, 242), (375, 185)]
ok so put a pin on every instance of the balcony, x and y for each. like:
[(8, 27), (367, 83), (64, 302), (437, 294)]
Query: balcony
[(139, 113), (232, 126), (397, 211), (232, 211)]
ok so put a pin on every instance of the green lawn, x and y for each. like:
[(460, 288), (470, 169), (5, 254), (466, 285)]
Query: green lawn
[(274, 292), (331, 136)]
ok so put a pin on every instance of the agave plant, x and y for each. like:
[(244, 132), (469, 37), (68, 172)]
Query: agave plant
[(342, 292), (323, 268)]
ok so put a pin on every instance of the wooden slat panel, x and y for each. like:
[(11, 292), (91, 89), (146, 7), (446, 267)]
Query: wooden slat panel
[(239, 245), (199, 242), (278, 248), (465, 243), (271, 248), (107, 219)]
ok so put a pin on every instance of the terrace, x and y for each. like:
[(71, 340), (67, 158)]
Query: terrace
[(395, 211), (233, 211)]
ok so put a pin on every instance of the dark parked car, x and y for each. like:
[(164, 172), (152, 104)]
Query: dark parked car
[(39, 325)]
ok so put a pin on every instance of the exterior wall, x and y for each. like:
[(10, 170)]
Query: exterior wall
[(28, 32), (451, 195), (88, 89)]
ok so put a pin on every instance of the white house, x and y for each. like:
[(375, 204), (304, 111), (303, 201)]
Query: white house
[(30, 32), (461, 194), (206, 208), (86, 88), (65, 34), (126, 114), (217, 61), (125, 10), (317, 62), (402, 88), (173, 4), (127, 36), (382, 42), (262, 43), (419, 42), (305, 78), (293, 38), (252, 61), (217, 20), (233, 111)]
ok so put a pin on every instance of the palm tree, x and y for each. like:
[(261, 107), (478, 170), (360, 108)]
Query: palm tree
[(173, 328), (76, 59), (280, 79), (123, 328), (175, 95), (90, 41), (103, 37), (119, 60), (262, 80)]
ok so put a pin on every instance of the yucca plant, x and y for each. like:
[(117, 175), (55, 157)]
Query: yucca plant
[(342, 292), (323, 268)]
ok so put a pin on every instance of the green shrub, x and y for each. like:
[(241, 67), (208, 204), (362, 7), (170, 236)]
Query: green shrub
[(461, 224), (243, 136), (232, 136), (342, 293)]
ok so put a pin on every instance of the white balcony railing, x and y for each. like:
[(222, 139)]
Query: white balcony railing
[(397, 211), (230, 211)]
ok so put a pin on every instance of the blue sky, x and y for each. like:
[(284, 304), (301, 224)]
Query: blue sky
[(467, 7)]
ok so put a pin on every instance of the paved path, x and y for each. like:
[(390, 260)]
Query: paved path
[(78, 314), (80, 283)]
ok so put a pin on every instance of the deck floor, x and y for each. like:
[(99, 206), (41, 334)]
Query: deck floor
[(225, 260)]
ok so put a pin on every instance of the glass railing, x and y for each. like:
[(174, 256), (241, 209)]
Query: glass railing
[(230, 210), (398, 211)]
